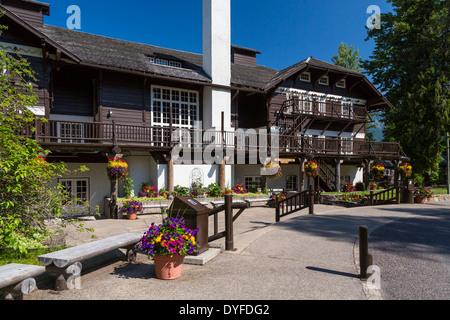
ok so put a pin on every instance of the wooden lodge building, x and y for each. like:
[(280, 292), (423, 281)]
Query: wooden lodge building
[(104, 96)]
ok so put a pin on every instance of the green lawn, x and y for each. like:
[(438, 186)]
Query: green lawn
[(31, 258)]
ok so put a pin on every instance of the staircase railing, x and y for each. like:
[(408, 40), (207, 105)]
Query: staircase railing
[(296, 202), (326, 174)]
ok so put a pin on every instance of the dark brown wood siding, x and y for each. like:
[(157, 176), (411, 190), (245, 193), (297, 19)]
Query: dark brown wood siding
[(73, 91), (32, 16), (244, 59), (275, 105)]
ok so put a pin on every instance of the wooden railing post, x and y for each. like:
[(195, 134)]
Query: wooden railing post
[(311, 199), (229, 241), (114, 133), (277, 210)]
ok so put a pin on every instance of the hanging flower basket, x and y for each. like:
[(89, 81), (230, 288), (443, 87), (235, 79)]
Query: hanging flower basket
[(117, 169), (311, 169), (405, 170), (378, 171), (273, 170)]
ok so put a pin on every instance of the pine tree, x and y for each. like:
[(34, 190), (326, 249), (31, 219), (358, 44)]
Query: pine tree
[(410, 63)]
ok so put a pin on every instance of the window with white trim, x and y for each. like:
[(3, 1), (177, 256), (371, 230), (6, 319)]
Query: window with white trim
[(347, 145), (292, 183), (184, 104), (347, 109), (323, 80), (307, 105), (252, 182), (341, 84), (77, 190), (305, 76), (165, 62), (322, 105)]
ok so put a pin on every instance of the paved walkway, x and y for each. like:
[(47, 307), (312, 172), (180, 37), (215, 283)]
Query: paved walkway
[(302, 257)]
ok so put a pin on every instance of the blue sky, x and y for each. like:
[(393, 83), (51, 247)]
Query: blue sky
[(285, 31)]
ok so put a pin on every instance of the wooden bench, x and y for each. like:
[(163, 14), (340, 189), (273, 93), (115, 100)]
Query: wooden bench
[(67, 263), (251, 201), (18, 279)]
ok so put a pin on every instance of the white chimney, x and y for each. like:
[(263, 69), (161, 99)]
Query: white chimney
[(217, 62)]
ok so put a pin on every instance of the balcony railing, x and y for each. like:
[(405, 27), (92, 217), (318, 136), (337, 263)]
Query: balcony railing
[(69, 134), (329, 109)]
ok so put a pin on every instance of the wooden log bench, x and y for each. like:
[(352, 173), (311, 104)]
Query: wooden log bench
[(251, 201), (67, 263), (18, 279)]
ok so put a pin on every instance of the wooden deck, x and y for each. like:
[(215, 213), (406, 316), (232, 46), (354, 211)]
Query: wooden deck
[(57, 134)]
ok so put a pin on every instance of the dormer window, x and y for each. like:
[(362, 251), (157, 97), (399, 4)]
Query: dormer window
[(341, 84), (305, 76), (165, 62), (324, 80)]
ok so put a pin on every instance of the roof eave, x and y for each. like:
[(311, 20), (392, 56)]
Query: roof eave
[(37, 33)]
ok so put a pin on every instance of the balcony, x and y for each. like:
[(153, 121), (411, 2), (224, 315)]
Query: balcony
[(95, 136), (328, 110)]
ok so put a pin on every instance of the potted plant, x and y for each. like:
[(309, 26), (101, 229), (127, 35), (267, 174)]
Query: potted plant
[(168, 244), (164, 193), (272, 170), (311, 169), (349, 187), (421, 194), (148, 192), (128, 188), (373, 185), (117, 169), (239, 189), (405, 170), (378, 171), (131, 208), (275, 197)]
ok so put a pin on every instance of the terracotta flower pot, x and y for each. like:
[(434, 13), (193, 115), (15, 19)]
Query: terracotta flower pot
[(420, 200), (168, 267), (132, 216)]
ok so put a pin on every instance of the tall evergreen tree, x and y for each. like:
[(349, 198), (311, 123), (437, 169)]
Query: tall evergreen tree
[(410, 63), (348, 57)]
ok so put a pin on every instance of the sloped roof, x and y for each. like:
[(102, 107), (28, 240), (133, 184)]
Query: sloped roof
[(109, 52), (289, 71)]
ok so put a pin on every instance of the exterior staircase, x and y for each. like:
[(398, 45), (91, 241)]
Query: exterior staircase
[(327, 179)]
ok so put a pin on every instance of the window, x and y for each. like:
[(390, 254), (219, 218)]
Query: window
[(252, 183), (322, 105), (307, 105), (347, 145), (175, 64), (305, 76), (341, 84), (324, 80), (165, 62), (292, 183), (77, 191), (184, 104), (347, 110)]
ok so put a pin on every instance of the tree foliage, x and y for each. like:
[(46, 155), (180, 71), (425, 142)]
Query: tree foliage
[(410, 64), (27, 198), (348, 57)]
